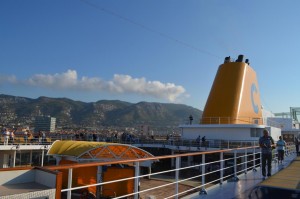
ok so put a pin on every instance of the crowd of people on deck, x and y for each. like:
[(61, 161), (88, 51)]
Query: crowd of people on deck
[(25, 136), (8, 136)]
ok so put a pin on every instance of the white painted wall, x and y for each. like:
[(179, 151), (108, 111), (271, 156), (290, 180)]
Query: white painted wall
[(275, 133), (283, 123), (266, 114), (224, 132), (40, 177), (17, 176), (24, 176)]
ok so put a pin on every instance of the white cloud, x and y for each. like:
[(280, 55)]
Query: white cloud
[(125, 83), (119, 84), (8, 79), (65, 80)]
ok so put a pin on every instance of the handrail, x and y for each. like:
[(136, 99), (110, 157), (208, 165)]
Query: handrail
[(177, 169), (231, 120), (90, 164), (241, 160), (209, 143), (243, 120), (247, 155)]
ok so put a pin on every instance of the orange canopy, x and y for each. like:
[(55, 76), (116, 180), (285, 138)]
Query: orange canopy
[(96, 150)]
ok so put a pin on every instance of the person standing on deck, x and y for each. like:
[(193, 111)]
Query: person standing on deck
[(6, 135), (40, 137), (12, 136), (26, 136), (198, 140), (204, 142), (280, 149), (44, 139), (266, 144)]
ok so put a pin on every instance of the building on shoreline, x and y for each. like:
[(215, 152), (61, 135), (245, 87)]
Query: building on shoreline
[(45, 123)]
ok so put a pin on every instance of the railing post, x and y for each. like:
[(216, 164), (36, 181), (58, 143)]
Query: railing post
[(69, 183), (14, 158), (99, 180), (203, 191), (254, 168), (177, 176), (260, 160), (235, 166), (221, 167), (136, 180), (246, 161), (42, 161)]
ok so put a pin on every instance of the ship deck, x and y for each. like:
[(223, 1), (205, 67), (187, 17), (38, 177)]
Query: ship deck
[(21, 188), (246, 187), (251, 184)]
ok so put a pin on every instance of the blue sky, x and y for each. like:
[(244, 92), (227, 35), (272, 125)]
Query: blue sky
[(155, 51)]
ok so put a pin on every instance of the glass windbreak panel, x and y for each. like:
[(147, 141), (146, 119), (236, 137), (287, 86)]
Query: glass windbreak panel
[(23, 158), (18, 160), (36, 158), (254, 132)]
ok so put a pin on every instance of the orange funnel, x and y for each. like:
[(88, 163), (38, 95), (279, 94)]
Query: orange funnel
[(234, 96)]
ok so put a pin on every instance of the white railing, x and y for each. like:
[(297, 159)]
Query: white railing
[(242, 160), (209, 172), (188, 143), (231, 120), (241, 120), (208, 167)]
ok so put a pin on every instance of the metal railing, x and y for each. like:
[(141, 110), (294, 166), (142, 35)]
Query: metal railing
[(208, 168), (208, 171), (171, 143), (231, 120)]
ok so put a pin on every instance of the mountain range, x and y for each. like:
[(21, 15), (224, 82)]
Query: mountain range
[(16, 110)]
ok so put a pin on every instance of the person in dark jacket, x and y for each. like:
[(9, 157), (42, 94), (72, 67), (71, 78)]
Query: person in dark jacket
[(266, 144)]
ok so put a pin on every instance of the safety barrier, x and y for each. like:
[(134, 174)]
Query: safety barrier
[(208, 171)]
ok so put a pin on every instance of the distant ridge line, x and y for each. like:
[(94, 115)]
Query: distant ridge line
[(102, 113)]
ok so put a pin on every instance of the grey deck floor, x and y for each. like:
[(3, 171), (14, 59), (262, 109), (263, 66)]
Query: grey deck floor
[(6, 190), (241, 188)]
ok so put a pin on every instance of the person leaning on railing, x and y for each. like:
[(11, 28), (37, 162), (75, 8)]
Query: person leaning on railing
[(266, 144)]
